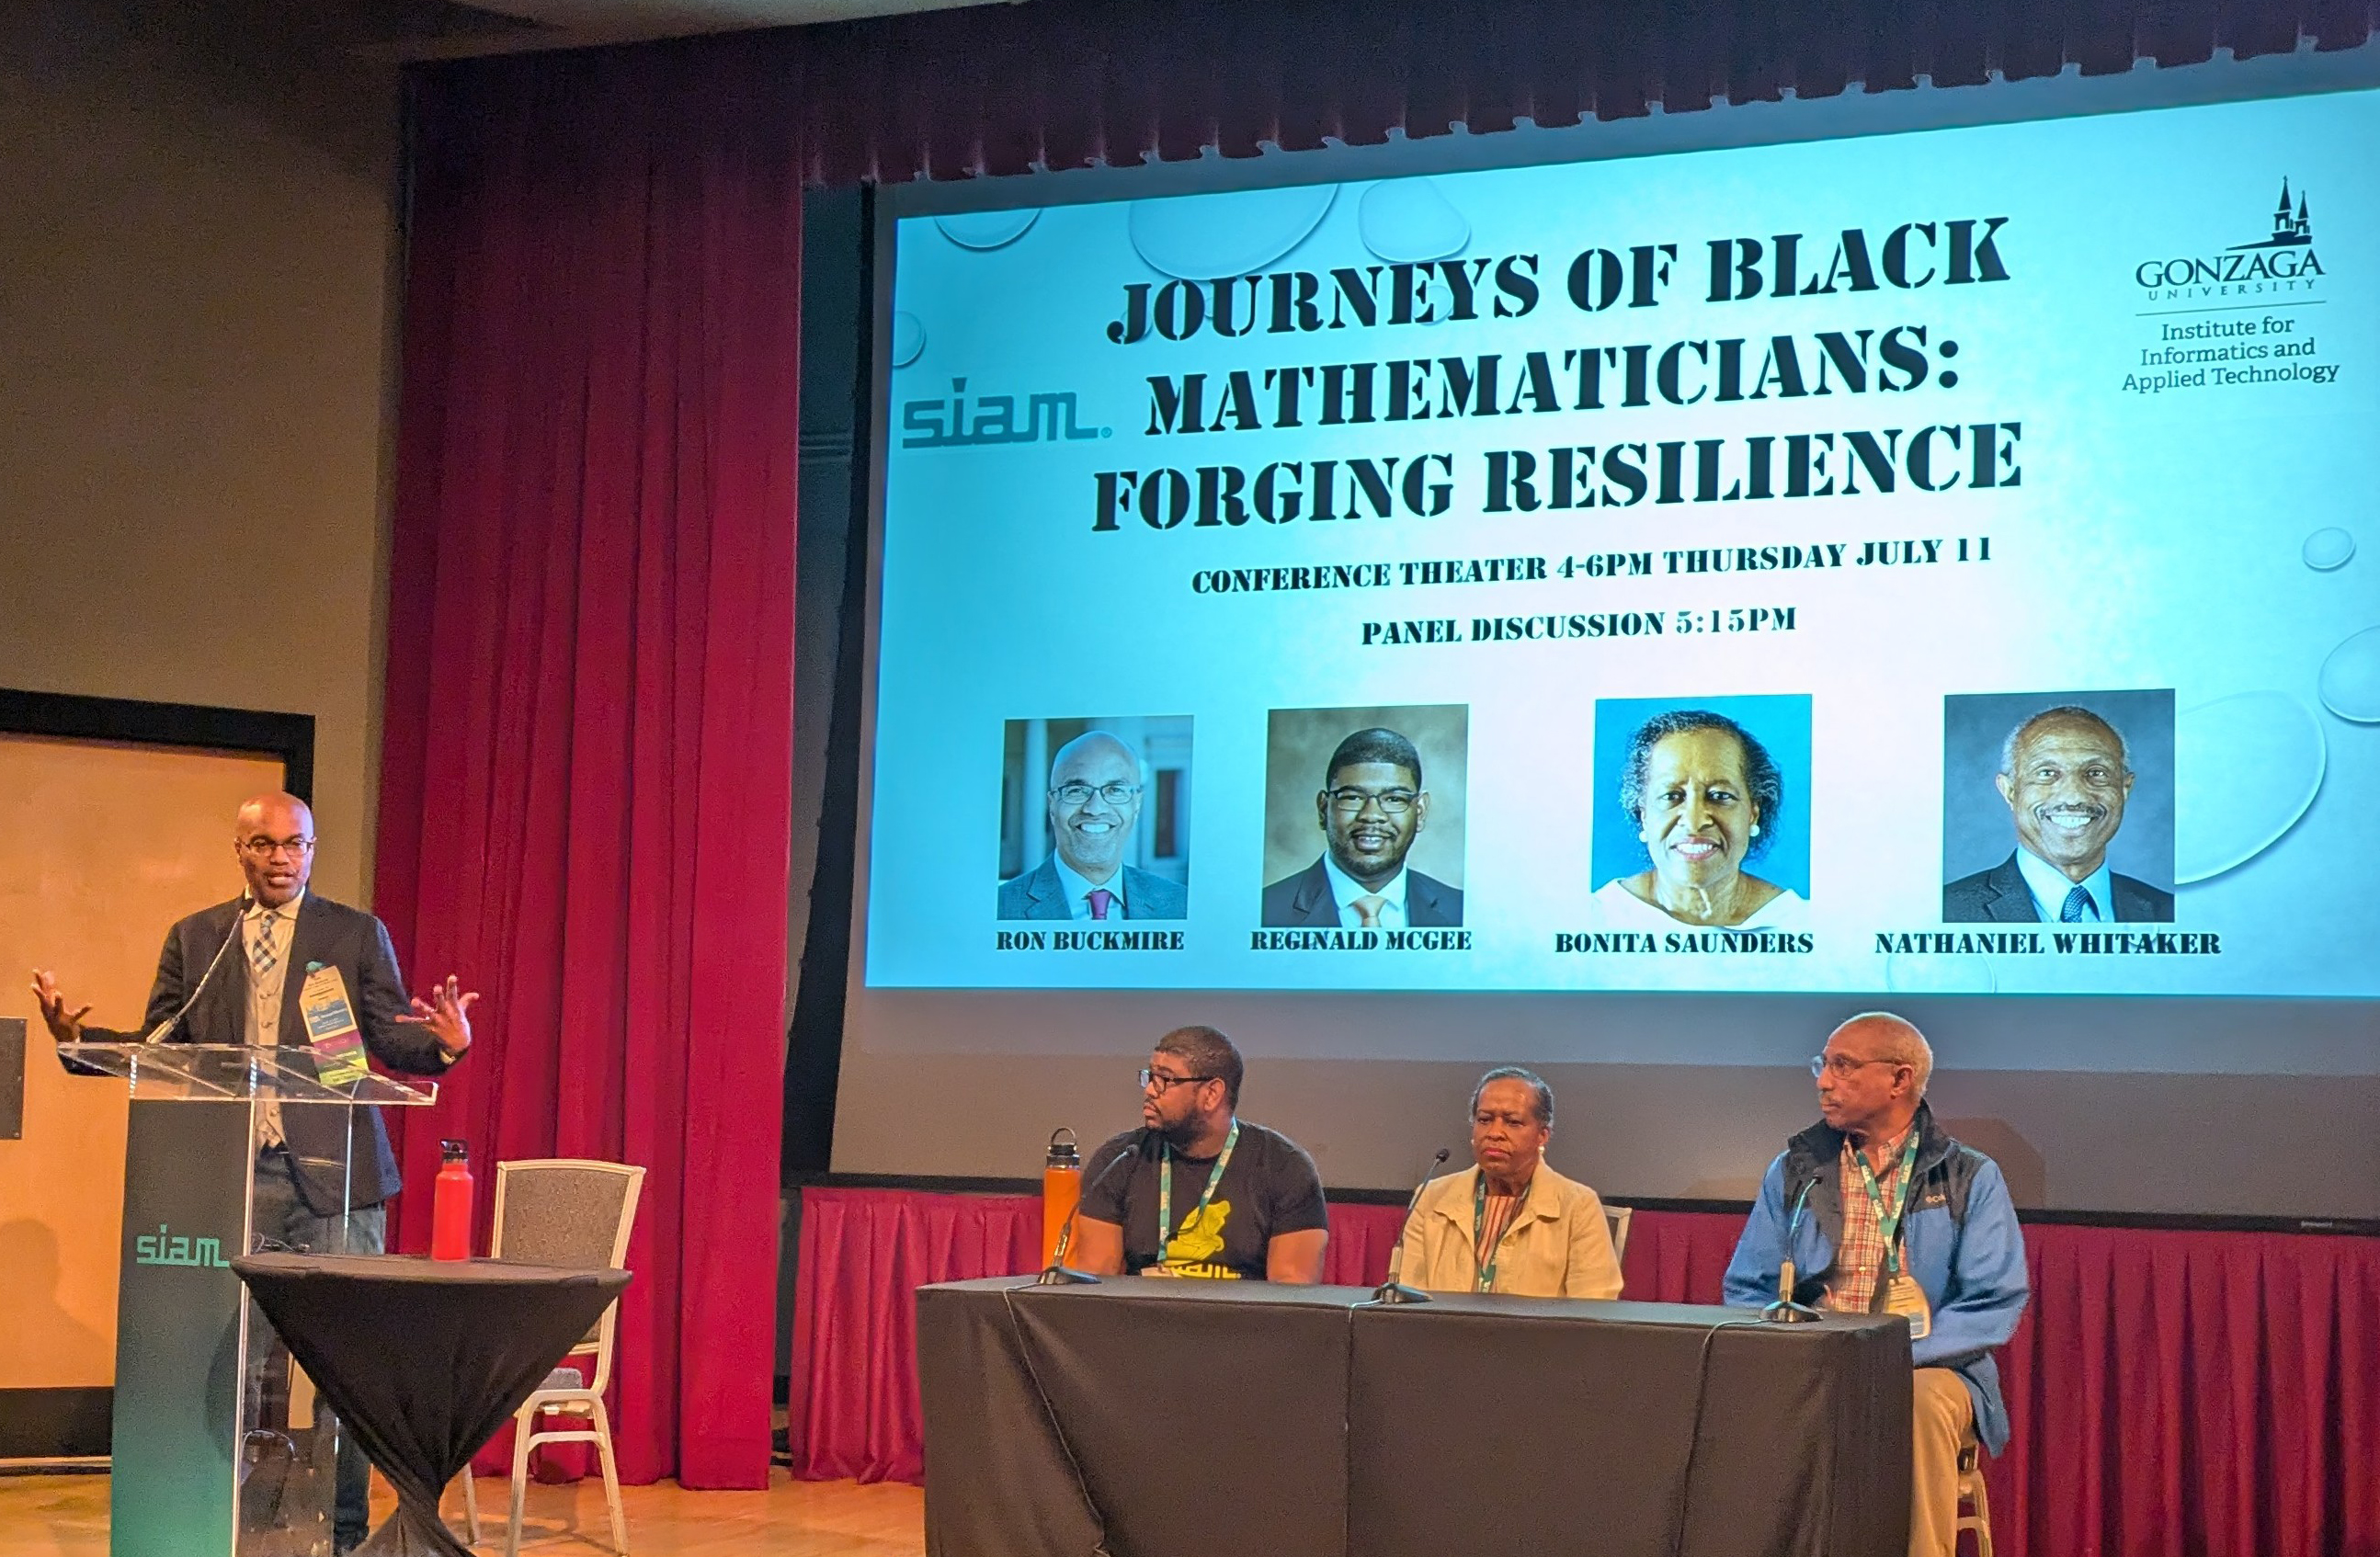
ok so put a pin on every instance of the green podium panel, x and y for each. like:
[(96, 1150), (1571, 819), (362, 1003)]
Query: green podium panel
[(218, 1448), (178, 1322)]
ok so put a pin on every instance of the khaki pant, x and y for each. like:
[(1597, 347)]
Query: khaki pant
[(1943, 1423)]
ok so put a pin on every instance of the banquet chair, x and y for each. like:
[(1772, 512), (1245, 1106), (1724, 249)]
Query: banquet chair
[(566, 1212), (1973, 1497), (1616, 1217)]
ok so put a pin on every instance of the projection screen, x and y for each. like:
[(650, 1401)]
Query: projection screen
[(1623, 615)]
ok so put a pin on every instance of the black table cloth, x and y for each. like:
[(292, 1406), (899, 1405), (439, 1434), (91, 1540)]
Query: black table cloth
[(424, 1359), (1145, 1418)]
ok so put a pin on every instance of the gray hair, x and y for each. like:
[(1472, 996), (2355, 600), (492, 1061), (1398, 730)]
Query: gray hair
[(1760, 772), (2063, 710), (1543, 1094), (1903, 1044)]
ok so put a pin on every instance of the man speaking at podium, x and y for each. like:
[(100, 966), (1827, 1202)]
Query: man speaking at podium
[(304, 1153)]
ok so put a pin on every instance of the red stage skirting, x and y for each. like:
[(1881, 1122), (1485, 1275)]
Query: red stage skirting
[(2175, 1394)]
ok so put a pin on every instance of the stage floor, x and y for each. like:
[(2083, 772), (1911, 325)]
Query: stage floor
[(67, 1516)]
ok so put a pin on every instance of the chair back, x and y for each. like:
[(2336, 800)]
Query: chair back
[(1616, 1217), (571, 1211)]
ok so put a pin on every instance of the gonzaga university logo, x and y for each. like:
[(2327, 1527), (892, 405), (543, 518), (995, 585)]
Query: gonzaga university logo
[(2282, 262)]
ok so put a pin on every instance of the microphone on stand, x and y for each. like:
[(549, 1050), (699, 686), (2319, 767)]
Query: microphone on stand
[(1394, 1291), (158, 1032), (1058, 1273), (1785, 1310)]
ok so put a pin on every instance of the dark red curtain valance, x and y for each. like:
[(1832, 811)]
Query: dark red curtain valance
[(1075, 83)]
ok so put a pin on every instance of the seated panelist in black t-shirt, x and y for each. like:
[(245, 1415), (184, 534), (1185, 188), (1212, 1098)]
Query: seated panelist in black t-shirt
[(1204, 1192)]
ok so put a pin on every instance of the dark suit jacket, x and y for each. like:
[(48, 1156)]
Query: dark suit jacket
[(320, 1135), (2000, 896), (1037, 895), (1305, 900)]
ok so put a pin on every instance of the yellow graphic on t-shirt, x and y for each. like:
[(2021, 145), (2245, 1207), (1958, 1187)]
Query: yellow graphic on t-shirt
[(1191, 1252)]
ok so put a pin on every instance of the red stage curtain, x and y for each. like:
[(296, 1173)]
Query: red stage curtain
[(2174, 1394), (586, 781), (863, 1252), (2179, 1393)]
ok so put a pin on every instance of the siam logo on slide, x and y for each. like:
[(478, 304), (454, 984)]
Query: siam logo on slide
[(2283, 262), (957, 422)]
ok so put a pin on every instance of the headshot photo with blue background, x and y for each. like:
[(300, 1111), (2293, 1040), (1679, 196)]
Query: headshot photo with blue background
[(1978, 829), (1779, 721)]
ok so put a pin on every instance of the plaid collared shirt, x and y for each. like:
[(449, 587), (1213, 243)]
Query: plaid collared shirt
[(1859, 1260)]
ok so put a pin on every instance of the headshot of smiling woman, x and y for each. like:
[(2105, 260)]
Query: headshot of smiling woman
[(1706, 798)]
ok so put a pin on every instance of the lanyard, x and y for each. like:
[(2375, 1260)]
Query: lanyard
[(1486, 1279), (1165, 1189), (1888, 1223)]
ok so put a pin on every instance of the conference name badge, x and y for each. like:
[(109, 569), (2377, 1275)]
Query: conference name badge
[(331, 1032), (1902, 1295)]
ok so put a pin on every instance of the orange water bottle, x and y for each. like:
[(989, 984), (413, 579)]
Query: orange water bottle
[(450, 1203), (1062, 1190)]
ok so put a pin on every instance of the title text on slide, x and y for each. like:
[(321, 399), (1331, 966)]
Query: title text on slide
[(1932, 459), (1908, 257), (1540, 382)]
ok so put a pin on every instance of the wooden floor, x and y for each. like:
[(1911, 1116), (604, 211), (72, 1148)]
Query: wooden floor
[(67, 1516)]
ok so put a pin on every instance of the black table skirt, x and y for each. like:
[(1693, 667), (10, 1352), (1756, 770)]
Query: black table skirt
[(1164, 1418), (424, 1359)]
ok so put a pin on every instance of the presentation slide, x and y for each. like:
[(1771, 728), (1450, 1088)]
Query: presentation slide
[(1929, 563)]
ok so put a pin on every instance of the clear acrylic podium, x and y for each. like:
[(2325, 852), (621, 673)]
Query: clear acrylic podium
[(218, 1447)]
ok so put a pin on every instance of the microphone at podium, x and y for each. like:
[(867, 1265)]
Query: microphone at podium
[(239, 912), (1785, 1310)]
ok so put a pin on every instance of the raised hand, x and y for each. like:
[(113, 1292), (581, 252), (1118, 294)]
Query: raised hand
[(447, 1014), (64, 1026)]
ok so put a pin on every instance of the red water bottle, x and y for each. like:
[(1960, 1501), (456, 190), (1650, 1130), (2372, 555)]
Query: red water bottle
[(450, 1203)]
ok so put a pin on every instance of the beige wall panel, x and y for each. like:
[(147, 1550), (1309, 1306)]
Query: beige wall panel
[(196, 291), (101, 847)]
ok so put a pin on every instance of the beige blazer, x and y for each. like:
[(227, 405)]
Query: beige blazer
[(1560, 1247)]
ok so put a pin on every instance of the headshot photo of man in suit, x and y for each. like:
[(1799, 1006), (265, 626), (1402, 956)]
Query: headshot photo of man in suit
[(1372, 805), (1094, 802), (2066, 775)]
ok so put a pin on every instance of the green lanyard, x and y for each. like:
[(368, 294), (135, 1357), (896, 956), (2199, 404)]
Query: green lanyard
[(1486, 1278), (1888, 1225), (1165, 1189)]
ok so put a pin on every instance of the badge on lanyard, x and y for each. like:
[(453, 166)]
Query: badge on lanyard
[(1165, 1200), (1898, 1290), (1902, 1295), (339, 1053)]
